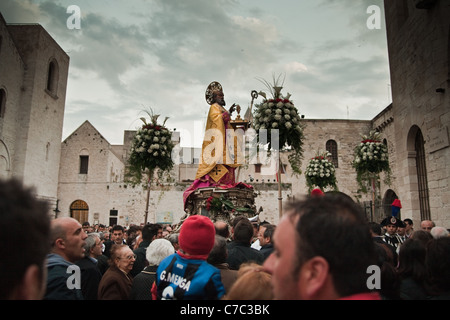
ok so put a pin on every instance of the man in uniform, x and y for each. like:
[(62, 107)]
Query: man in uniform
[(391, 237)]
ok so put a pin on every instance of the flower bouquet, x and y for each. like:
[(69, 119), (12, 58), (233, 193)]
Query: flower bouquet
[(320, 172), (279, 113), (370, 159), (151, 149)]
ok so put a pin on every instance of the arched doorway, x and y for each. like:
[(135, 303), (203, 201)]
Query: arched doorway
[(79, 210), (416, 149)]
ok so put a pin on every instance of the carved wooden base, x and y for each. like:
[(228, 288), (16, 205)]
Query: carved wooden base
[(238, 201)]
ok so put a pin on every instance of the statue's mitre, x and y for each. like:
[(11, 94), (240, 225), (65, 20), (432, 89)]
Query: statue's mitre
[(213, 87)]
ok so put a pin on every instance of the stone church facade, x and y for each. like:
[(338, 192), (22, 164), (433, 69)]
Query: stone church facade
[(90, 182), (33, 80)]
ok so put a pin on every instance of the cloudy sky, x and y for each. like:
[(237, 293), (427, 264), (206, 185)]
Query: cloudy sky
[(129, 56)]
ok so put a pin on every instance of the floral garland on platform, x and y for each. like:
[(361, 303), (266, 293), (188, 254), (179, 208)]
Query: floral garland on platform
[(370, 159), (151, 149), (320, 172), (221, 204)]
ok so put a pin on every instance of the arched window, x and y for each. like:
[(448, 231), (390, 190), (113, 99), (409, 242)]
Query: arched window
[(84, 164), (52, 77), (424, 198), (84, 161), (2, 102), (448, 56), (331, 147)]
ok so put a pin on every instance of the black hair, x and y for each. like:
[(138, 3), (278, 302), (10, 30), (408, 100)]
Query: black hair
[(25, 236), (335, 227)]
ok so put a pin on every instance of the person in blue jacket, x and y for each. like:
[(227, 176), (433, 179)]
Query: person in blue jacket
[(185, 275), (63, 276)]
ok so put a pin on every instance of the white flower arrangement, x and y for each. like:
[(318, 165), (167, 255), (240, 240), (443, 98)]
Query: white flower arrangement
[(149, 135), (371, 154), (320, 172), (151, 148), (371, 158), (279, 113)]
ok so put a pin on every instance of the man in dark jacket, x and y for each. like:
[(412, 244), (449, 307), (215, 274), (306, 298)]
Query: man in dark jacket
[(117, 234), (63, 276), (150, 232), (90, 273), (239, 250), (265, 237)]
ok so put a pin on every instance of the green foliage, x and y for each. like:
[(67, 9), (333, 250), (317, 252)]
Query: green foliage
[(222, 204)]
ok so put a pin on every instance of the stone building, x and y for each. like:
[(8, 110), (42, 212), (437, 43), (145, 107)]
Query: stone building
[(418, 35), (33, 81), (92, 187)]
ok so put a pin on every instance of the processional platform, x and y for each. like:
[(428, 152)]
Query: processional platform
[(222, 204)]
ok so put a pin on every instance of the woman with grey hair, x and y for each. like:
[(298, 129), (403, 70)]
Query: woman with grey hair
[(143, 282)]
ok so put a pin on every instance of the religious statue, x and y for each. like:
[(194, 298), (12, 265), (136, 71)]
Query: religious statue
[(220, 147)]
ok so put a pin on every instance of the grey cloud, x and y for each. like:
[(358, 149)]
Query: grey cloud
[(103, 45), (357, 18), (333, 81), (19, 11), (204, 30), (343, 74)]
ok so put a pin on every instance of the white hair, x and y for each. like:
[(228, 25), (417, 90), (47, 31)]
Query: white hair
[(439, 232), (158, 250)]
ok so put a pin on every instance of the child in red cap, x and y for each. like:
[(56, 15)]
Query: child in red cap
[(186, 274)]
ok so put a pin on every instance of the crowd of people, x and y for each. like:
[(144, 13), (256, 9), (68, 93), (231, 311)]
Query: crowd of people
[(323, 248)]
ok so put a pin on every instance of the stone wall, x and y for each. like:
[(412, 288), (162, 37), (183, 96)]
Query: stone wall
[(418, 42)]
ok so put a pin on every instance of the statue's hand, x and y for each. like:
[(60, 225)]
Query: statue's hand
[(232, 108)]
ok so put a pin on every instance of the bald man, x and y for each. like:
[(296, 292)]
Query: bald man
[(63, 276), (222, 228), (427, 225)]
